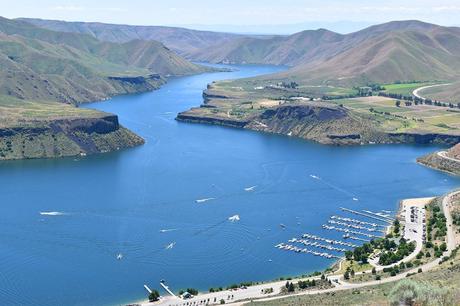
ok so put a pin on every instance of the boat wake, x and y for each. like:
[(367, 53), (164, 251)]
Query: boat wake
[(52, 213), (234, 218), (250, 188), (337, 188), (170, 246), (168, 230), (204, 200)]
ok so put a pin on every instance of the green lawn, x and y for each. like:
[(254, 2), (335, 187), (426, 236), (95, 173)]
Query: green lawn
[(406, 88)]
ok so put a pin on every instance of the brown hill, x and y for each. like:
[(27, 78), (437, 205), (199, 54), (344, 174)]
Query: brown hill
[(401, 55), (454, 152), (183, 41)]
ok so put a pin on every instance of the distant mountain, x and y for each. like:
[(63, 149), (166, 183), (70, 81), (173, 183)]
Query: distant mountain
[(397, 51), (400, 50), (71, 67), (276, 50), (300, 47), (182, 41)]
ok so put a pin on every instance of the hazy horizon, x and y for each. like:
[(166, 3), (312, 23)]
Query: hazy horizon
[(257, 17)]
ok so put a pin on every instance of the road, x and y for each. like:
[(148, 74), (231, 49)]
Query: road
[(443, 154), (413, 228), (242, 296), (416, 92)]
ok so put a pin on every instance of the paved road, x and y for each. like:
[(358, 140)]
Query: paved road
[(241, 296), (416, 92), (443, 154), (413, 230)]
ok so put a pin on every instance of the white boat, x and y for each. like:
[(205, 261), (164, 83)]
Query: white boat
[(170, 246), (234, 218)]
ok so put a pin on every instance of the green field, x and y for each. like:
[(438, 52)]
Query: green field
[(414, 118), (14, 112), (404, 89)]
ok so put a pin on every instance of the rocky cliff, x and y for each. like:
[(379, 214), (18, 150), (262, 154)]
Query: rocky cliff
[(65, 137), (448, 161)]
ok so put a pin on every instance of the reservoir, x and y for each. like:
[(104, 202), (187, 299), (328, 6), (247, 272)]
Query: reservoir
[(165, 206)]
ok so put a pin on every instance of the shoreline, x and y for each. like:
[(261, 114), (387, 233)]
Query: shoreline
[(330, 273), (380, 137)]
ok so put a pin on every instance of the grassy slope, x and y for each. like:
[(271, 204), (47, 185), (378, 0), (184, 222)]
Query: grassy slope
[(448, 93), (39, 66), (72, 67), (183, 41), (405, 88), (135, 53), (244, 95), (44, 129)]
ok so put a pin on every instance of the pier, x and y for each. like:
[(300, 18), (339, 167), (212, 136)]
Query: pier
[(366, 215), (348, 236), (360, 227), (339, 229), (317, 245), (356, 221), (314, 237), (289, 247), (378, 214), (166, 288)]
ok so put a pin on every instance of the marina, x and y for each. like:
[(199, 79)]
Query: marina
[(373, 229), (335, 217), (331, 241), (366, 215), (348, 236), (350, 226), (289, 247), (317, 245)]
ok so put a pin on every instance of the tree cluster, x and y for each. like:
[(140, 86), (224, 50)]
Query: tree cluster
[(402, 250)]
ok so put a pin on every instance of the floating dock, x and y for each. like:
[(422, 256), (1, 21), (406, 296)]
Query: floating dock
[(357, 221), (366, 215), (292, 248), (317, 245), (338, 242), (348, 236), (345, 230), (359, 227)]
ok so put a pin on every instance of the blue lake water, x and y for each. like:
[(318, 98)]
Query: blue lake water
[(119, 203)]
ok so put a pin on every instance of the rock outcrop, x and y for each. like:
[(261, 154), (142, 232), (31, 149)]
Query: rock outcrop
[(65, 137)]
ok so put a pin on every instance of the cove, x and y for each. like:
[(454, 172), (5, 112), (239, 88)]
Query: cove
[(64, 221)]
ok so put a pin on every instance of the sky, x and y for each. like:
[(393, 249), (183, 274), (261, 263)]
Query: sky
[(281, 16)]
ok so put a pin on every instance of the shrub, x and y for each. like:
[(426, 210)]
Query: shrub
[(154, 296), (409, 292)]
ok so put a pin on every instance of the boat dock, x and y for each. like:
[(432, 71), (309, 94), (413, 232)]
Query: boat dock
[(366, 215), (378, 214), (357, 221), (359, 227), (166, 288), (348, 236), (317, 245), (289, 247), (314, 237), (345, 230)]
